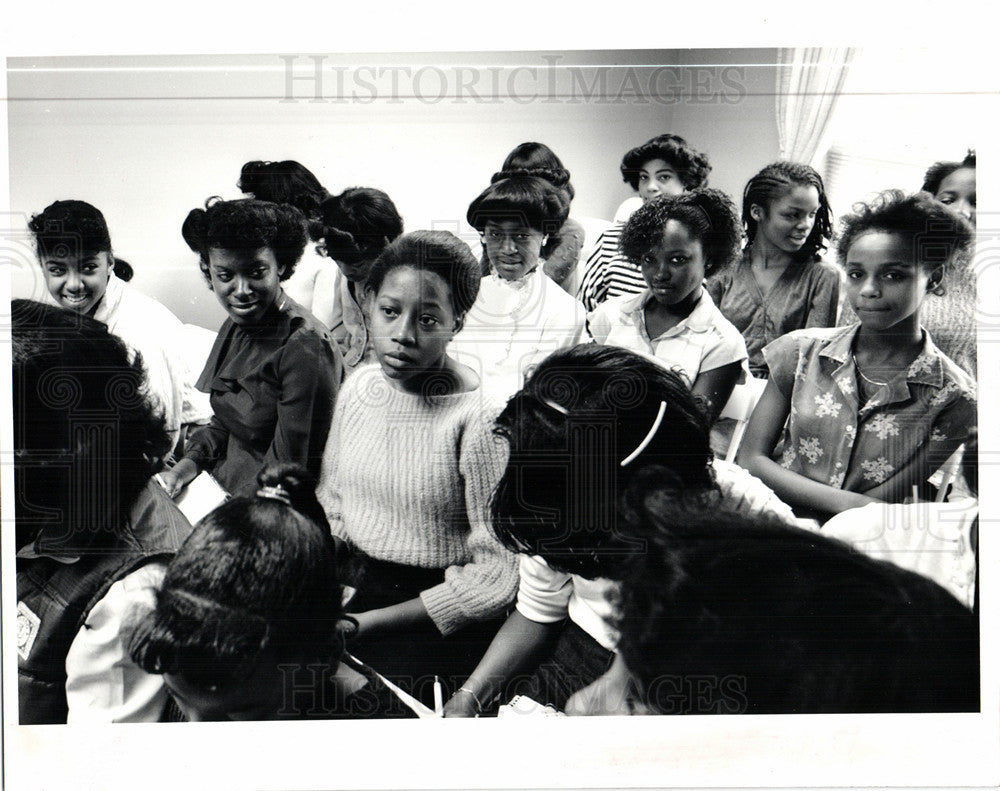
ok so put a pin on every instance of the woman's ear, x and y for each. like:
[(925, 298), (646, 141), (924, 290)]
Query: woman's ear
[(111, 263), (757, 212), (459, 323), (935, 282)]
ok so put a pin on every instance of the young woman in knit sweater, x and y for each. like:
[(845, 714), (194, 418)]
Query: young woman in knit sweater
[(408, 473)]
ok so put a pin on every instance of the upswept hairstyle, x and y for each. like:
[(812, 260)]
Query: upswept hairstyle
[(257, 578), (934, 234), (564, 494), (692, 166), (357, 224), (74, 227), (439, 252), (81, 420), (285, 182), (788, 621), (708, 215), (529, 200), (535, 159), (939, 171), (246, 225), (770, 184)]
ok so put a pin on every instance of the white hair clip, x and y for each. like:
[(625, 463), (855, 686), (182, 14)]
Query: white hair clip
[(648, 438), (275, 493)]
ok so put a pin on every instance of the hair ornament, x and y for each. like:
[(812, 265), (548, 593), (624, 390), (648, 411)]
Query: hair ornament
[(278, 493), (648, 438), (553, 405)]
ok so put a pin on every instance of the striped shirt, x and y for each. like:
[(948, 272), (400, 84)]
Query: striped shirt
[(608, 273)]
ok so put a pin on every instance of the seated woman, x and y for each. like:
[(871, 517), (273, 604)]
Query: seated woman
[(561, 252), (866, 413), (676, 241), (780, 284), (93, 532), (83, 275), (664, 165), (799, 624), (520, 315), (289, 182), (408, 472), (354, 229), (597, 433), (950, 318), (274, 371), (246, 623)]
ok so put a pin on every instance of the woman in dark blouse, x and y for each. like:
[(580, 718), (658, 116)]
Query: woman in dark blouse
[(274, 371)]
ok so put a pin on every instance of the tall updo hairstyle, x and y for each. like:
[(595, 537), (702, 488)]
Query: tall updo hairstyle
[(286, 182), (246, 225), (357, 224)]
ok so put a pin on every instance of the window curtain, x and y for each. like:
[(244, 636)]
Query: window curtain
[(809, 82)]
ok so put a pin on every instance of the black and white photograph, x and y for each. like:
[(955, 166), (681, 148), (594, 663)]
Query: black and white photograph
[(554, 388)]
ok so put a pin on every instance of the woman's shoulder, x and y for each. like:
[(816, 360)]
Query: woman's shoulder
[(820, 271)]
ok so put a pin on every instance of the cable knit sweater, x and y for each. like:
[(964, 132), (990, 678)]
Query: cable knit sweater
[(408, 479)]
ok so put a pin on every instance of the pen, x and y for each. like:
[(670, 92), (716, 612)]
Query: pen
[(438, 698)]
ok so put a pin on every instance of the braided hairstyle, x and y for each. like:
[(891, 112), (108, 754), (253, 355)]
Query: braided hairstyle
[(770, 184)]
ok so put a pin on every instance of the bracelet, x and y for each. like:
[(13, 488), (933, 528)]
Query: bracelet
[(475, 697)]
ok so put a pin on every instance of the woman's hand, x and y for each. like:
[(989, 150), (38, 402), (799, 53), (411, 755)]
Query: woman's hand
[(461, 704), (177, 477)]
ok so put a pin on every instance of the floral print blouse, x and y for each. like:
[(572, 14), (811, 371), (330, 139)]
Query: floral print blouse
[(903, 433)]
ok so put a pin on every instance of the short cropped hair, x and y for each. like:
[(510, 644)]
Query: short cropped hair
[(439, 252), (708, 215), (692, 166), (935, 235), (247, 225)]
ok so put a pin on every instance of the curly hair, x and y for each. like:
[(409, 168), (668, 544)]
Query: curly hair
[(939, 171), (770, 185), (709, 216), (564, 494), (285, 182), (257, 576), (75, 228), (536, 159), (439, 252), (528, 200), (934, 234), (692, 166), (799, 623), (81, 418), (357, 224), (246, 225)]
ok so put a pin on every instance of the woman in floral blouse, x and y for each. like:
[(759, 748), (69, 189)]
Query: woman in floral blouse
[(865, 413)]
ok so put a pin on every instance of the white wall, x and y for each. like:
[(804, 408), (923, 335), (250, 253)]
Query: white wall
[(147, 139)]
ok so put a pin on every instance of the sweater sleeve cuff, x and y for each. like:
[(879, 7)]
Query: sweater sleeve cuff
[(443, 608)]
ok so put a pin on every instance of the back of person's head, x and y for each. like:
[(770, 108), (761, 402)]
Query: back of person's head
[(247, 225), (285, 182), (74, 228), (774, 182), (527, 200), (926, 226), (255, 582), (86, 440), (783, 620), (691, 166), (595, 431), (536, 159), (439, 252), (357, 224), (708, 215), (937, 172)]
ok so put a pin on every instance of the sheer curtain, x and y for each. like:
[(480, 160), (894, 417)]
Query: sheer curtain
[(810, 80)]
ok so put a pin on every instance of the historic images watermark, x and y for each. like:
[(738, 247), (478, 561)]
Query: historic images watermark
[(550, 80)]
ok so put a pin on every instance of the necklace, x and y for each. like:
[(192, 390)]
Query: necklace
[(862, 374)]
